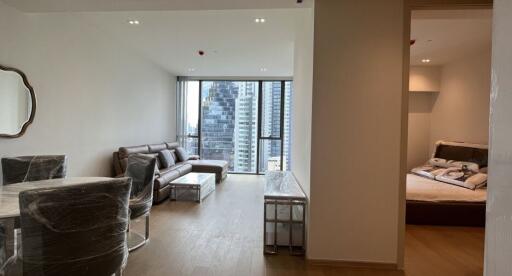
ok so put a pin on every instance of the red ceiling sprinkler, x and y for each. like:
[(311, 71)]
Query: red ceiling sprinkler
[(200, 52)]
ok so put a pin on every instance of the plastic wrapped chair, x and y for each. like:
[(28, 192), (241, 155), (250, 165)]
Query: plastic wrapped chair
[(76, 230), (141, 168), (3, 257), (33, 168)]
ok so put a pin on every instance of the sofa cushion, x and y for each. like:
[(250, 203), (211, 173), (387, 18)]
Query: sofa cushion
[(219, 167), (166, 176), (174, 156), (166, 158), (182, 154), (155, 148), (124, 152), (184, 169)]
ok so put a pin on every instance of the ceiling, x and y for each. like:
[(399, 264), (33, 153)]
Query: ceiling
[(444, 36), (149, 5), (234, 45)]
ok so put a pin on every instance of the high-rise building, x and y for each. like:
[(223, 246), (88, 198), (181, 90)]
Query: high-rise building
[(288, 90), (229, 124), (218, 120), (246, 135)]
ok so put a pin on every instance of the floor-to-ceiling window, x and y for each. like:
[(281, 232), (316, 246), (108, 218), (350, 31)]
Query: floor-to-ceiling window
[(246, 123)]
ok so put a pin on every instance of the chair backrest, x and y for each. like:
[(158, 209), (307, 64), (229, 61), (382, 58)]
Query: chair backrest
[(75, 230), (141, 169), (33, 168)]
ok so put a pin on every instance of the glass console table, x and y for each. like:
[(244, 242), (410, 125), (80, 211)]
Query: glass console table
[(284, 214)]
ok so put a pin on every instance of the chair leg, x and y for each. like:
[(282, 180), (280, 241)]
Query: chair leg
[(147, 227), (136, 240)]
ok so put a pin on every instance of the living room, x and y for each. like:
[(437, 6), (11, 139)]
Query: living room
[(226, 88)]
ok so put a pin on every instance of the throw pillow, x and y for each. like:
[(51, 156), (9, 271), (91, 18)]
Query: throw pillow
[(166, 158), (182, 154)]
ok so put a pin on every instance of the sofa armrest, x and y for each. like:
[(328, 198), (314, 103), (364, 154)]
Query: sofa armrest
[(193, 157)]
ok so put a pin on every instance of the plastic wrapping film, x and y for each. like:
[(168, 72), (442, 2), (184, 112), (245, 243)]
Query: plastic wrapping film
[(33, 168), (284, 193), (3, 241), (141, 169), (283, 229), (74, 230)]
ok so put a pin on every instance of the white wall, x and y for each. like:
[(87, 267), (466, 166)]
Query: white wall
[(94, 94), (459, 112), (498, 238), (356, 147), (302, 100), (420, 114), (425, 78)]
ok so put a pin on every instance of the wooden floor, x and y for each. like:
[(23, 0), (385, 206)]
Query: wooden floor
[(223, 236)]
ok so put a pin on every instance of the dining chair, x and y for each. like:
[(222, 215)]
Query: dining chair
[(141, 169), (75, 230), (33, 168), (3, 257)]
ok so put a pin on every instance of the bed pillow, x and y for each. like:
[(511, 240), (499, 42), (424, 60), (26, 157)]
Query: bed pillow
[(438, 162)]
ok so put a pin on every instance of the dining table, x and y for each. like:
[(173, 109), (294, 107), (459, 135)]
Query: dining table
[(9, 202)]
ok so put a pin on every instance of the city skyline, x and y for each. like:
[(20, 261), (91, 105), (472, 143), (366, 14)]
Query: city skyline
[(229, 121)]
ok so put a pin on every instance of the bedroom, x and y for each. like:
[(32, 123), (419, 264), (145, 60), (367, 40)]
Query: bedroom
[(450, 80)]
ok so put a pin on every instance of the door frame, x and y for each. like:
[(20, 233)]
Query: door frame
[(409, 6)]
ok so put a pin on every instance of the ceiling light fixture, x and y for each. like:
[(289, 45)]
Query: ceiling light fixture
[(259, 20), (263, 69), (191, 69), (133, 22), (425, 60)]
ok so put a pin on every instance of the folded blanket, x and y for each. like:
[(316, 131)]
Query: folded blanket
[(428, 171), (463, 174), (443, 163), (463, 178)]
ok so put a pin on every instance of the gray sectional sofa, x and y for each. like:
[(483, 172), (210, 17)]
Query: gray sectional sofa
[(165, 175)]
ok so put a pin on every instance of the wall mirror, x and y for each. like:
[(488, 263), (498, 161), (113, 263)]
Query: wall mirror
[(17, 102)]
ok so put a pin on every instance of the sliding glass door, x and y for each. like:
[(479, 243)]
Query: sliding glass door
[(243, 122)]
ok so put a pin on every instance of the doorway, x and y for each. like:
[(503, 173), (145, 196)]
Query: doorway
[(448, 128)]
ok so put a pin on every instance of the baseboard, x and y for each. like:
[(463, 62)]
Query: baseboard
[(353, 264)]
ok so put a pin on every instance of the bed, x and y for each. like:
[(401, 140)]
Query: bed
[(431, 202)]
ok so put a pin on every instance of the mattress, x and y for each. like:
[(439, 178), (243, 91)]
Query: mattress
[(428, 190)]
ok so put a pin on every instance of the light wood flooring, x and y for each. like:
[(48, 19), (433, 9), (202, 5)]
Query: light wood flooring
[(223, 236)]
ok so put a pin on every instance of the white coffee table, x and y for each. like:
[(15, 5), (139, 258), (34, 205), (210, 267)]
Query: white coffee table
[(193, 186)]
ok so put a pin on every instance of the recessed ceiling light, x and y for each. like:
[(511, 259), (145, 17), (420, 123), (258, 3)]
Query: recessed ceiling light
[(263, 69), (133, 22), (259, 20), (425, 60), (191, 69)]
